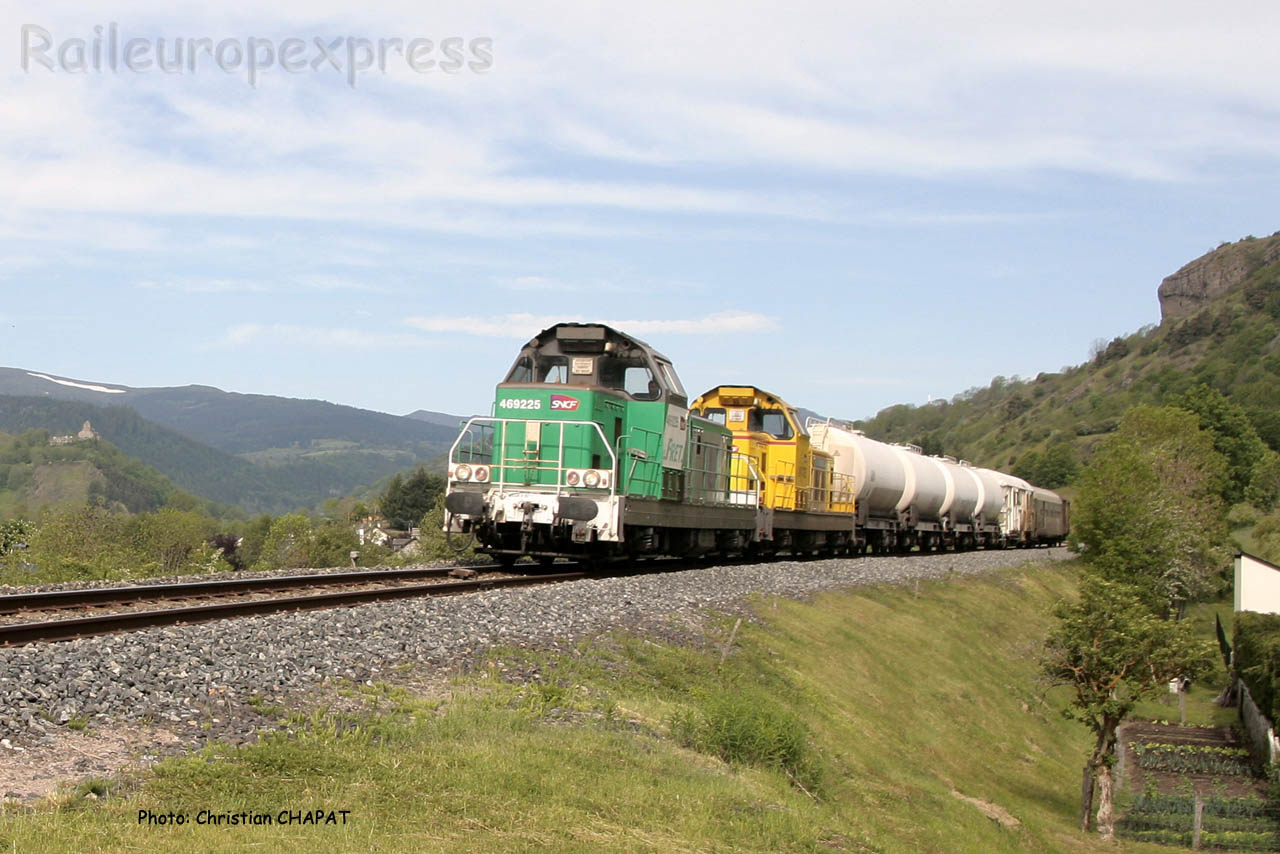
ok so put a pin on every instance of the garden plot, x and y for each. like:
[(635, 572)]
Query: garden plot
[(1166, 769)]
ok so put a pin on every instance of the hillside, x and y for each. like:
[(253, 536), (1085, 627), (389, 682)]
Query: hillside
[(240, 423), (205, 471), (262, 453), (35, 474), (314, 449), (1219, 327), (798, 731)]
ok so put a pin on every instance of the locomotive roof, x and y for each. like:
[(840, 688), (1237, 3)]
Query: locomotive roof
[(743, 394), (589, 337)]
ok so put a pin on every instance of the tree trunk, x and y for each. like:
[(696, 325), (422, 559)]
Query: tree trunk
[(1100, 765), (1086, 798), (1106, 816)]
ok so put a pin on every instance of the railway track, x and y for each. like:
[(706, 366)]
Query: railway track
[(369, 586)]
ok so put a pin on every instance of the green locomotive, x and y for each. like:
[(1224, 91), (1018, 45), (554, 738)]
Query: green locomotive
[(591, 452)]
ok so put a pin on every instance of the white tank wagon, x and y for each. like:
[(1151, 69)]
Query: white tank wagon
[(928, 491), (904, 498), (990, 496), (877, 472)]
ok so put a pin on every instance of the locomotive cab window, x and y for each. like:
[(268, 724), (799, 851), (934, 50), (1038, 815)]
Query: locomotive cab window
[(715, 414), (539, 369), (771, 421), (669, 374), (631, 375), (640, 384)]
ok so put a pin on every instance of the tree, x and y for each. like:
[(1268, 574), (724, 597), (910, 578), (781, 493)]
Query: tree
[(1234, 436), (1263, 490), (255, 536), (165, 541), (1113, 652), (332, 544), (1149, 513), (83, 542), (1055, 468), (930, 445), (408, 499), (1266, 538), (288, 543)]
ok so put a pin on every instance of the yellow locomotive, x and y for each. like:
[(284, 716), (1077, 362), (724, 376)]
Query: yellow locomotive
[(811, 502)]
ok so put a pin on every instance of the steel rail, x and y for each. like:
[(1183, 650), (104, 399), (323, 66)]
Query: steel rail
[(17, 634), (13, 603)]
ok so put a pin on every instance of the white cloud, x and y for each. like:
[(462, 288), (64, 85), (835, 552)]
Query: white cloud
[(274, 335), (528, 325), (303, 282), (204, 286), (1147, 91)]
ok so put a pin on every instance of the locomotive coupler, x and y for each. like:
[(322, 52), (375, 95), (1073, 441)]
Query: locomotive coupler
[(528, 508)]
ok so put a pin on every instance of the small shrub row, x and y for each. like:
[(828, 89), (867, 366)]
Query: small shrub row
[(1229, 840), (1186, 821), (1157, 802), (1194, 759)]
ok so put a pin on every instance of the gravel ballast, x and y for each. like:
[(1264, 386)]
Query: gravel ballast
[(205, 673)]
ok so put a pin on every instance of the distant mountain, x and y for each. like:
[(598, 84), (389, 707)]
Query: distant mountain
[(240, 423), (1221, 327), (442, 419), (288, 453)]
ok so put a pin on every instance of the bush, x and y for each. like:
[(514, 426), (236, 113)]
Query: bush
[(14, 534), (747, 727)]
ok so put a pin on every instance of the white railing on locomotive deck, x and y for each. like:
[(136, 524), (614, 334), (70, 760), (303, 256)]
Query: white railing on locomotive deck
[(712, 484), (497, 461)]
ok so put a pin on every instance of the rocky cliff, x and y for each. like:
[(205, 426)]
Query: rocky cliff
[(1213, 274)]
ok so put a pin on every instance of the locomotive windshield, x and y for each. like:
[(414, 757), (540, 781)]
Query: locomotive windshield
[(629, 374), (771, 421), (540, 369)]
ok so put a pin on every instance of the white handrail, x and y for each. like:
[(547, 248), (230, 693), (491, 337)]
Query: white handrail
[(561, 468)]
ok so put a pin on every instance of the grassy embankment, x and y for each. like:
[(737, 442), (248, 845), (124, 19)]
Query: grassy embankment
[(858, 722)]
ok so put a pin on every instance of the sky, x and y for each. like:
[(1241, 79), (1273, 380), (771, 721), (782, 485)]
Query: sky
[(850, 204)]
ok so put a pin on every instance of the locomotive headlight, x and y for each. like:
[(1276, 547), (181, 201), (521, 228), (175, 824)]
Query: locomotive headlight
[(573, 478), (462, 472), (482, 474), (591, 479)]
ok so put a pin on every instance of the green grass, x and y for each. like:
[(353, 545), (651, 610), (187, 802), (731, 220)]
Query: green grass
[(847, 724)]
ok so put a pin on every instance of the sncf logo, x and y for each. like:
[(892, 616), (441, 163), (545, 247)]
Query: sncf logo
[(563, 402)]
